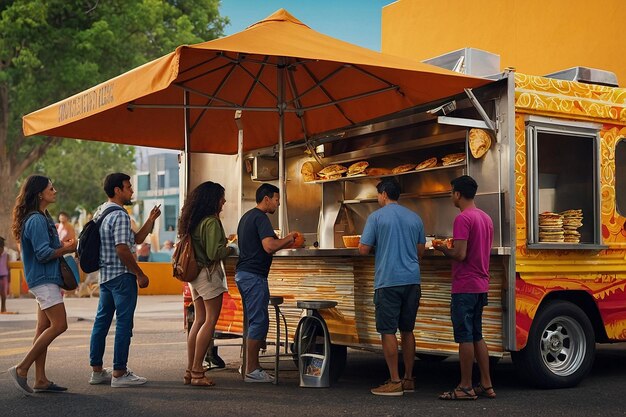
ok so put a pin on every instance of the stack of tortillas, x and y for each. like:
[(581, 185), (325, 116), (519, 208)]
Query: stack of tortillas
[(332, 172), (572, 221), (357, 168), (551, 227), (429, 163), (453, 158)]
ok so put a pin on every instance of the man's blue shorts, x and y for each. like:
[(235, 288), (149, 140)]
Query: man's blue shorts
[(255, 294), (466, 311), (396, 308)]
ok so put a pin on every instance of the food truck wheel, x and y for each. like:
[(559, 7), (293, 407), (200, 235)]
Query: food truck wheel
[(560, 348)]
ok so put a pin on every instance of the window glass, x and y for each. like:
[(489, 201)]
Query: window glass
[(620, 177), (169, 215), (565, 180), (173, 177), (143, 182), (161, 180)]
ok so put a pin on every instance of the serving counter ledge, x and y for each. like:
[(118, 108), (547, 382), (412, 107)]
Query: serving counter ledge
[(343, 276), (351, 252)]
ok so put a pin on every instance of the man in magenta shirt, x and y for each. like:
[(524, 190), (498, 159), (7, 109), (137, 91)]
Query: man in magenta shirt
[(473, 236)]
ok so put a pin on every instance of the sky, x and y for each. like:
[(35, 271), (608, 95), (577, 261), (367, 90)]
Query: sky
[(354, 21)]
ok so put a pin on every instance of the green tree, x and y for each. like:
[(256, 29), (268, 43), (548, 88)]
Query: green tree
[(77, 169), (51, 49)]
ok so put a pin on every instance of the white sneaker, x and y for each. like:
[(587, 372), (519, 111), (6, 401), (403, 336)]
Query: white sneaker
[(101, 377), (129, 379), (258, 375)]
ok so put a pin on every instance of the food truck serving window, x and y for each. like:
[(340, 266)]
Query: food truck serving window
[(620, 177), (563, 183)]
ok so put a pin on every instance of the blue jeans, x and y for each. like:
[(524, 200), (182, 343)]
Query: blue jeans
[(117, 296), (255, 295)]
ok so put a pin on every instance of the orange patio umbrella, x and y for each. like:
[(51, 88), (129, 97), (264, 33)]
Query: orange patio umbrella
[(289, 81)]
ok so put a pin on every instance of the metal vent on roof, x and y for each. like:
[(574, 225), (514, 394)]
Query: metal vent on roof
[(586, 75), (470, 61)]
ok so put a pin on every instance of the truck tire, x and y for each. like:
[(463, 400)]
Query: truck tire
[(560, 349)]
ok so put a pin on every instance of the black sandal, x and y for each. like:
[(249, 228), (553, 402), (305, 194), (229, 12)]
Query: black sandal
[(483, 391), (453, 396)]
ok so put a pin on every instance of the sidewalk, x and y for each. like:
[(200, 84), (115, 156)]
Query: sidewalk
[(148, 306)]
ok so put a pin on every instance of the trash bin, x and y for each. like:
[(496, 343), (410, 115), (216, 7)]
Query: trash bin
[(313, 345)]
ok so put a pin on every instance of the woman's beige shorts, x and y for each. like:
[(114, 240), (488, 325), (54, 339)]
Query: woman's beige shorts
[(210, 283)]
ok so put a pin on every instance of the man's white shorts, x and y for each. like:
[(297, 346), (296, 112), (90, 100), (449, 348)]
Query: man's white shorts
[(47, 295)]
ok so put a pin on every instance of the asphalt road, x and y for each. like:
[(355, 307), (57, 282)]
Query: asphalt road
[(157, 352)]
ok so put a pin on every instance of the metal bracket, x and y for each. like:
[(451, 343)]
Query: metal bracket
[(483, 114), (458, 121), (311, 147)]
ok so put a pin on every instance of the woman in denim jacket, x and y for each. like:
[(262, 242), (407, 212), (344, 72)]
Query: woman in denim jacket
[(41, 250)]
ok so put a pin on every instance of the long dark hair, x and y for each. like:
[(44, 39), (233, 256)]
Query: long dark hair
[(27, 201), (202, 202)]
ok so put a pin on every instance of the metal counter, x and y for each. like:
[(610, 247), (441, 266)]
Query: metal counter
[(306, 252)]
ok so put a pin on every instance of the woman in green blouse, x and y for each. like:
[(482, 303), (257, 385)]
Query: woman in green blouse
[(200, 218)]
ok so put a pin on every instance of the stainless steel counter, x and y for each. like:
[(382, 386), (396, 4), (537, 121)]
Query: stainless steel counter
[(305, 252), (318, 252)]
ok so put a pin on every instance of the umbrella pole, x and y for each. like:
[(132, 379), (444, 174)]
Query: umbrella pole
[(281, 155), (187, 156), (239, 124)]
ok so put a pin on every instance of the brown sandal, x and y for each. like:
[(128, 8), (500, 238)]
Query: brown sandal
[(187, 377), (199, 379), (454, 394)]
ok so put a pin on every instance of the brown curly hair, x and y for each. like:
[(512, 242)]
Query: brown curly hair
[(27, 201), (202, 202)]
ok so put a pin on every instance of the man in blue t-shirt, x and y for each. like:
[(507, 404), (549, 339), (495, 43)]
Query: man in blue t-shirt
[(257, 244), (397, 233)]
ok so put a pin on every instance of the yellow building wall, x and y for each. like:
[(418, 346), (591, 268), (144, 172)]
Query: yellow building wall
[(533, 36), (160, 274)]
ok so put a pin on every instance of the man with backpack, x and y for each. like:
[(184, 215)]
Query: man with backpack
[(119, 277)]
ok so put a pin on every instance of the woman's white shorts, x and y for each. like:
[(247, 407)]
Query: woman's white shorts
[(47, 295)]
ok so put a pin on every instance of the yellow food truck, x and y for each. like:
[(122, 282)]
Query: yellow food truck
[(550, 147)]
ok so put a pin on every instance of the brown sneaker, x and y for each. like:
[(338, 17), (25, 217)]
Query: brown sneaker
[(408, 385), (389, 388)]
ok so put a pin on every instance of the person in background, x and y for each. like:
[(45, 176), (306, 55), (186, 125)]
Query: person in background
[(119, 277), (64, 227), (41, 249), (397, 233), (200, 219), (472, 238), (257, 244), (143, 252), (168, 247), (4, 277)]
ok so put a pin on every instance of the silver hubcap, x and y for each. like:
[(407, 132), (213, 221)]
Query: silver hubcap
[(563, 346)]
